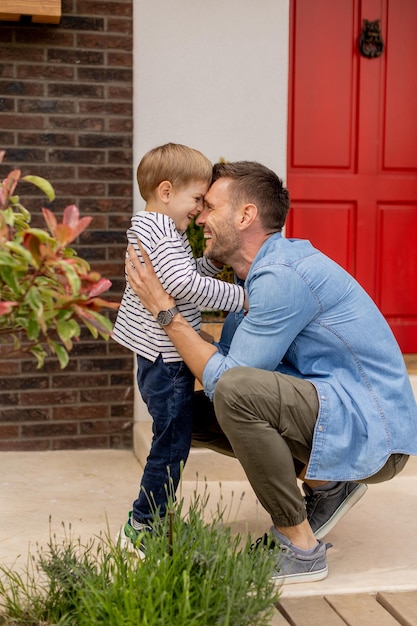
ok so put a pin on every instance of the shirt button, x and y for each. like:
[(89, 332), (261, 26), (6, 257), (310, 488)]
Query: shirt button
[(323, 397), (320, 428)]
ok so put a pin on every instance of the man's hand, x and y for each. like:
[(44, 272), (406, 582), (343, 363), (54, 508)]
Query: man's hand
[(145, 283)]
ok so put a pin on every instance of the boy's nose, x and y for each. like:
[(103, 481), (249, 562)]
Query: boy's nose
[(201, 217)]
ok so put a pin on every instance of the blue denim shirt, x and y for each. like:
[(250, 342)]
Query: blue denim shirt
[(309, 318)]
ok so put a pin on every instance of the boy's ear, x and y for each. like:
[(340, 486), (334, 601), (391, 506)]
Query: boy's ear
[(164, 191)]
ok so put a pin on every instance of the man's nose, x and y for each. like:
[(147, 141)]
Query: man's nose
[(200, 220)]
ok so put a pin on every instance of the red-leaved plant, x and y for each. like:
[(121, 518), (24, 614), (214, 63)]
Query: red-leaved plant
[(46, 289)]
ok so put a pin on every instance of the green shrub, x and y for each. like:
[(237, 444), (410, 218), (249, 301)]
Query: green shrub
[(47, 292), (195, 573)]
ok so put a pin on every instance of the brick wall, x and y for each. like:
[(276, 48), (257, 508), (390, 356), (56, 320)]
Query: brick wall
[(66, 114)]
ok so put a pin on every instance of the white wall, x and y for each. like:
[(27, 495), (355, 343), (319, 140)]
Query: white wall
[(212, 74)]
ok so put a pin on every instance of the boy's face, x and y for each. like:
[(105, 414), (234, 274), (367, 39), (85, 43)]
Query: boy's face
[(186, 202)]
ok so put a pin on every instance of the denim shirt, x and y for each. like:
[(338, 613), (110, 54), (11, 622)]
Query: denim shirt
[(309, 318)]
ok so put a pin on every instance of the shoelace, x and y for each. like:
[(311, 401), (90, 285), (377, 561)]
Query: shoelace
[(310, 501), (263, 542)]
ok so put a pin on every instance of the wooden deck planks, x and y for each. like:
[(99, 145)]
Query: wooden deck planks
[(403, 606), (359, 609), (309, 611), (381, 609)]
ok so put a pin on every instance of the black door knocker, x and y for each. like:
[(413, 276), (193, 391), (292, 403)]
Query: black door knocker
[(370, 42)]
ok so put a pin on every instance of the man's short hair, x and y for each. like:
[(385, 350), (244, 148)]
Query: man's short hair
[(257, 184)]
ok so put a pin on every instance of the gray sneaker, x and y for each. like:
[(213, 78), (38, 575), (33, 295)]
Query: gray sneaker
[(292, 567), (326, 508)]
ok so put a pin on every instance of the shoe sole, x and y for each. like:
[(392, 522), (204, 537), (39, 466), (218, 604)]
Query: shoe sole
[(346, 505), (305, 577)]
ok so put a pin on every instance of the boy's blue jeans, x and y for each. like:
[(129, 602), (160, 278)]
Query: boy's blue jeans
[(167, 390)]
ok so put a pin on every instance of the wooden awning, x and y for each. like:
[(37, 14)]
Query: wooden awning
[(45, 11)]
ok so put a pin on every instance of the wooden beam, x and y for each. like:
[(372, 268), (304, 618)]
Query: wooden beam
[(44, 11)]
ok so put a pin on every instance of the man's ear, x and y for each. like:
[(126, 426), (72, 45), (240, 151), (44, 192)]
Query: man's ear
[(247, 215), (164, 191)]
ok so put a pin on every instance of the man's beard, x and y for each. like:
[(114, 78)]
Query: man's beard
[(223, 248)]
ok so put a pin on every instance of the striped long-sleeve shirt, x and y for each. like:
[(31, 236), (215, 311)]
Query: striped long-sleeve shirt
[(189, 281)]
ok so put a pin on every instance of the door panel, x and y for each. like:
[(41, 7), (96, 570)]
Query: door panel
[(352, 147), (400, 142), (311, 147), (396, 266), (330, 225)]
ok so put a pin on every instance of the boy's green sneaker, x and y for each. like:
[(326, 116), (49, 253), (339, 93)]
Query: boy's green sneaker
[(131, 539)]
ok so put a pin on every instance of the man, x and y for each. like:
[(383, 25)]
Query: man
[(310, 382)]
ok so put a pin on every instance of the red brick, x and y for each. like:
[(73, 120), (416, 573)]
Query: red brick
[(81, 443), (120, 92), (49, 430), (80, 381), (99, 7), (22, 88), (9, 431), (43, 36), (11, 53), (75, 90), (100, 107), (19, 121), (46, 398), (72, 57), (101, 427), (107, 173), (119, 189), (23, 445), (104, 42), (54, 139), (116, 25), (9, 367), (46, 106), (106, 395), (120, 125), (20, 414), (81, 412)]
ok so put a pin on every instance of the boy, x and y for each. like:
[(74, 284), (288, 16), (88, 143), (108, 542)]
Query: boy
[(173, 180)]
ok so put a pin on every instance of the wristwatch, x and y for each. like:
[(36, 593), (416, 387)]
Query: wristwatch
[(164, 318)]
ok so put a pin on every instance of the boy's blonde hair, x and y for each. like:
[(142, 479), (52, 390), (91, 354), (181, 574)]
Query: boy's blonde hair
[(174, 162)]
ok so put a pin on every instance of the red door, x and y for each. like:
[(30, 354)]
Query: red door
[(352, 146)]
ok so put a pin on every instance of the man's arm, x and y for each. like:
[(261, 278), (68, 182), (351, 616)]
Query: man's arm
[(142, 278)]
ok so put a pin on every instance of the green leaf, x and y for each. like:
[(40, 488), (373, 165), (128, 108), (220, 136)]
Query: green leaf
[(11, 279), (67, 329), (33, 329), (43, 184), (20, 251), (42, 235), (34, 300), (95, 322), (60, 352), (7, 259), (72, 276), (39, 352)]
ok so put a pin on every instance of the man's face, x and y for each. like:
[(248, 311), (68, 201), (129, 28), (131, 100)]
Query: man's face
[(218, 218)]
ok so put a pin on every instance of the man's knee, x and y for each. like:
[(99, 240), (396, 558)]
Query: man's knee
[(229, 384), (229, 399)]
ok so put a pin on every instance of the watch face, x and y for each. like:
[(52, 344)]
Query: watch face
[(164, 318)]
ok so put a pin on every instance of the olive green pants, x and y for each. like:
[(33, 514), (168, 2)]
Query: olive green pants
[(267, 420)]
